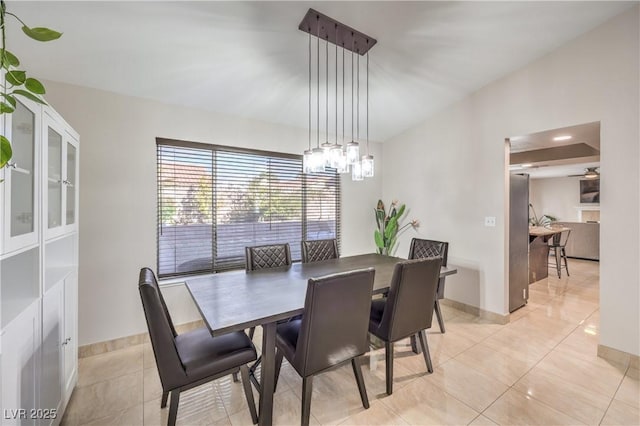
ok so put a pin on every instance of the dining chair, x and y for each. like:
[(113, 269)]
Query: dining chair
[(558, 243), (421, 249), (191, 359), (267, 256), (407, 310), (332, 331), (319, 250)]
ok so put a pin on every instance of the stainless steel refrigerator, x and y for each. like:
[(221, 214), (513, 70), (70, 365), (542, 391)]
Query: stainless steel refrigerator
[(518, 241)]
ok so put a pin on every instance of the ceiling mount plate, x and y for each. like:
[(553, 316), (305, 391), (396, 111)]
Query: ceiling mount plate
[(336, 32)]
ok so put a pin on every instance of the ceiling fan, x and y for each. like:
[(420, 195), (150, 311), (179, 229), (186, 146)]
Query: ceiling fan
[(589, 173)]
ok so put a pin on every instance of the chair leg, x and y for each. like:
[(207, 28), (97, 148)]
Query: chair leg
[(436, 307), (414, 344), (425, 351), (165, 396), (558, 262), (235, 377), (566, 266), (388, 357), (251, 331), (307, 390), (248, 393), (357, 371), (173, 407), (279, 356)]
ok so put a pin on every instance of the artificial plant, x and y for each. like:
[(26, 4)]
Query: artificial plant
[(16, 82), (389, 227)]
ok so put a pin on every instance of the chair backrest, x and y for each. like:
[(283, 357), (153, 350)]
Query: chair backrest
[(411, 298), (318, 250), (335, 320), (421, 249), (161, 331), (560, 239), (268, 256)]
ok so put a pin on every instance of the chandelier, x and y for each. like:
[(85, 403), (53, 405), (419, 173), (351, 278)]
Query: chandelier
[(332, 153)]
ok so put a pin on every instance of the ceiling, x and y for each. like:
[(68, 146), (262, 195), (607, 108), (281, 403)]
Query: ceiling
[(544, 157), (250, 59)]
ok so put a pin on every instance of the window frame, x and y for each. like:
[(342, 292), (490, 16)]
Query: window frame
[(214, 148)]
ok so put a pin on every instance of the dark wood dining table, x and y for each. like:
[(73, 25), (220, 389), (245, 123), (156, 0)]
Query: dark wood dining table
[(238, 300)]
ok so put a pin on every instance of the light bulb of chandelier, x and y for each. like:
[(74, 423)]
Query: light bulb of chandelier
[(356, 171), (326, 152), (367, 165), (335, 155), (317, 160), (341, 163), (353, 152), (307, 161)]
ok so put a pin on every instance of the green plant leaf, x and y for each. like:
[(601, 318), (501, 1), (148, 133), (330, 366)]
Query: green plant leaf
[(393, 213), (29, 95), (9, 99), (15, 77), (5, 108), (5, 151), (380, 219), (34, 86), (9, 59), (401, 210), (377, 236), (392, 228), (41, 34), (380, 205)]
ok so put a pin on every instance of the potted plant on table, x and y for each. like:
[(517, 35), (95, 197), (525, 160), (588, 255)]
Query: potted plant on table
[(389, 227)]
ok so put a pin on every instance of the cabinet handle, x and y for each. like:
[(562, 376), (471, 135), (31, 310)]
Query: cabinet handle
[(12, 165), (66, 341), (66, 182)]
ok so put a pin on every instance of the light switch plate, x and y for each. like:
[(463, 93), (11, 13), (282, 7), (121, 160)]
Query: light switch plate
[(490, 221)]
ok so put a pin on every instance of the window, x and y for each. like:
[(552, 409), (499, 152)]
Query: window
[(213, 201)]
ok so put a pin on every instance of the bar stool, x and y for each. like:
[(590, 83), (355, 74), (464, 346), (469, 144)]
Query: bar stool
[(557, 244)]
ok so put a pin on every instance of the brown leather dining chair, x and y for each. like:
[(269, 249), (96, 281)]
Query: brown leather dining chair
[(191, 359), (421, 249), (266, 257), (319, 250), (332, 331), (407, 310)]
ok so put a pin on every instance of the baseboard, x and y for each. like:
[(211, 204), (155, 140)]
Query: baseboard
[(474, 310), (124, 342), (618, 356)]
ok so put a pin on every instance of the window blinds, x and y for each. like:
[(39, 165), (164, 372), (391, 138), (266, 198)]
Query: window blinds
[(213, 201)]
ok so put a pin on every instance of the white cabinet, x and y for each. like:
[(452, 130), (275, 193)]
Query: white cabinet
[(59, 349), (60, 148), (21, 185), (20, 366), (38, 266)]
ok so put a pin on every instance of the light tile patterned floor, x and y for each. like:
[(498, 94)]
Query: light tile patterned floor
[(541, 368)]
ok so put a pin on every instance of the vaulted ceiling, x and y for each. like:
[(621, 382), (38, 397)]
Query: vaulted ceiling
[(250, 59)]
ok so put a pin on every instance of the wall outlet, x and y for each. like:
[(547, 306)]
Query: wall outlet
[(490, 221)]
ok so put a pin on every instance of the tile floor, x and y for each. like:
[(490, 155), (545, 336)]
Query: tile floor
[(540, 369)]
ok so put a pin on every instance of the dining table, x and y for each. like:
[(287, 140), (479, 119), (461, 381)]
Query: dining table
[(237, 300)]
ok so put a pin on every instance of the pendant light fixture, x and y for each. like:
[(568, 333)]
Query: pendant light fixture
[(367, 160), (307, 157), (331, 154), (317, 156)]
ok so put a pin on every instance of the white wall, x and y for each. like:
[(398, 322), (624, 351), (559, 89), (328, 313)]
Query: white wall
[(118, 196), (558, 197), (450, 168)]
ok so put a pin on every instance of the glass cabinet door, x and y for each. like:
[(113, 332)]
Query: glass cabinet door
[(70, 183), (22, 170), (54, 179)]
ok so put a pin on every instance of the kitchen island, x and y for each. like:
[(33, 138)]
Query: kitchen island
[(539, 250)]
